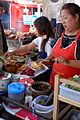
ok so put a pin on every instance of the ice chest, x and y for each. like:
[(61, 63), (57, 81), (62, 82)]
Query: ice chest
[(69, 93), (16, 91)]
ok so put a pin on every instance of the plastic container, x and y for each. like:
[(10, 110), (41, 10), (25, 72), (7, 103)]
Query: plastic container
[(72, 115), (26, 81), (39, 107), (13, 44), (69, 93), (16, 91), (28, 100)]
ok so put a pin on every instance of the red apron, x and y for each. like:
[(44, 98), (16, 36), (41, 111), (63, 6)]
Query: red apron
[(68, 53)]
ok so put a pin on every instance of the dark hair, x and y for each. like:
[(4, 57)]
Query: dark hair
[(5, 47), (72, 8), (44, 27)]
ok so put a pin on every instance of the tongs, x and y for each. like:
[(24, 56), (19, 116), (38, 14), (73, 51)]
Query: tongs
[(44, 60), (3, 60)]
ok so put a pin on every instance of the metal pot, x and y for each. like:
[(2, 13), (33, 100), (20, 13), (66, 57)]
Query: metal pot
[(4, 80)]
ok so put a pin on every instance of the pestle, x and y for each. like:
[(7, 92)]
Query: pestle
[(49, 100)]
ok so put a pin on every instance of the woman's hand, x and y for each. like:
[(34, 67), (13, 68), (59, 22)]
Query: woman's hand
[(9, 54), (71, 63), (62, 60)]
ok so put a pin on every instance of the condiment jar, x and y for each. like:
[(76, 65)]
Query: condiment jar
[(16, 91)]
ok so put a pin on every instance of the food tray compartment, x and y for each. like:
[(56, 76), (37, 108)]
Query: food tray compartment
[(69, 93)]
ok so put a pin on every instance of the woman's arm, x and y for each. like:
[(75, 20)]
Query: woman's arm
[(72, 63), (50, 57), (22, 50)]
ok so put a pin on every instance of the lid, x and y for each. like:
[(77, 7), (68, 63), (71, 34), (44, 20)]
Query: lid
[(26, 80), (16, 88)]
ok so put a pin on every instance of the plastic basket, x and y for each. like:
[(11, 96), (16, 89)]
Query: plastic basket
[(42, 108)]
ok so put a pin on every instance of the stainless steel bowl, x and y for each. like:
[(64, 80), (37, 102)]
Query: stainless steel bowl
[(4, 80)]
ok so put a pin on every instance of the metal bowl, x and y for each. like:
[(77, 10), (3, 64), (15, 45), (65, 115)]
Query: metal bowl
[(4, 80)]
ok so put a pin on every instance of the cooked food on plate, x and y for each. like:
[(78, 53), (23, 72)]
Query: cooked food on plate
[(37, 65)]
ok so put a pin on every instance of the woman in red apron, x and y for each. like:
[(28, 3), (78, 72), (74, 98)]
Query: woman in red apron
[(67, 49)]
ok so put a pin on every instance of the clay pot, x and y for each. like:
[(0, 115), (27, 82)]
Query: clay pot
[(40, 88)]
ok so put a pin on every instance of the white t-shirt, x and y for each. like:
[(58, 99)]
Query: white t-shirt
[(52, 9), (38, 42)]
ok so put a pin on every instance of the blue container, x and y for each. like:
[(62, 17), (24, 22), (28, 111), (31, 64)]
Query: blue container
[(16, 91)]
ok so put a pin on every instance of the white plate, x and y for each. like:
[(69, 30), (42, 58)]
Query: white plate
[(24, 76), (44, 67), (37, 72)]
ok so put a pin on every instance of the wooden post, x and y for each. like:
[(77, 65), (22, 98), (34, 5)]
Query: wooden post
[(56, 92)]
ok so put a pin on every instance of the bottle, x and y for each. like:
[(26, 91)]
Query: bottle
[(28, 100)]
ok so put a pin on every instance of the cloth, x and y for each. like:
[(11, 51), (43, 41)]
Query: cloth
[(3, 43), (38, 42), (42, 54), (68, 53), (52, 9), (5, 20)]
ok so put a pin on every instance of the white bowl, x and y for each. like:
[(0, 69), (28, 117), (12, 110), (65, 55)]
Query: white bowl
[(15, 77)]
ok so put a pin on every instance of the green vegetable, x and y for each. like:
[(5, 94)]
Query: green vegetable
[(41, 102), (72, 87), (76, 78), (77, 89), (67, 85)]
